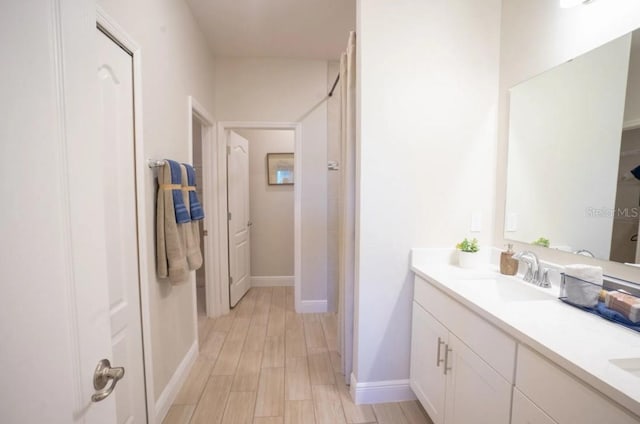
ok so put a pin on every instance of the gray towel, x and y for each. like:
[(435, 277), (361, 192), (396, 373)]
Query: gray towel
[(170, 246), (191, 229)]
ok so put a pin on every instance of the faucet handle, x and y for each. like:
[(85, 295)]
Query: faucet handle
[(529, 275), (544, 279)]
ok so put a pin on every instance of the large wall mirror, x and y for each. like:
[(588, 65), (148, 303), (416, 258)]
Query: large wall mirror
[(573, 171)]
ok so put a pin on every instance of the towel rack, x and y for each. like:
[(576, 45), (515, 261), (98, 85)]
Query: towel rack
[(155, 163)]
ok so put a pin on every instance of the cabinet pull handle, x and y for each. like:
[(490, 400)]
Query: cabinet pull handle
[(447, 350), (438, 360)]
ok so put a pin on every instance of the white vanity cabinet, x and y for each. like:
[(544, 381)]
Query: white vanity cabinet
[(527, 412), (562, 397), (453, 353)]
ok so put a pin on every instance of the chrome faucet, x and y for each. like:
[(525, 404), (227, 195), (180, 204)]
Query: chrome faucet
[(534, 274)]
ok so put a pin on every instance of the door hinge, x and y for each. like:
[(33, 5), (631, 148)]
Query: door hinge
[(229, 216), (228, 150), (230, 280), (205, 233)]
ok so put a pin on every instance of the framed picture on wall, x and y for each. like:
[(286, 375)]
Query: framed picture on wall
[(280, 168)]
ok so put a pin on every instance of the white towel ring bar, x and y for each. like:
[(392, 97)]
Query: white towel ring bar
[(153, 163)]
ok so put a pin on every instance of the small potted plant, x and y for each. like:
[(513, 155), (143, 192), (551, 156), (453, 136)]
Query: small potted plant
[(468, 253), (542, 242)]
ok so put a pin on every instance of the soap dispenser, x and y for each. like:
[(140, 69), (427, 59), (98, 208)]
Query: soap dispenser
[(508, 265)]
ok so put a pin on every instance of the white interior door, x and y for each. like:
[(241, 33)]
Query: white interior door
[(53, 309), (239, 220), (115, 76)]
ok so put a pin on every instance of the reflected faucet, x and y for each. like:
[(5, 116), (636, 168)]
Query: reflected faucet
[(533, 274), (585, 252)]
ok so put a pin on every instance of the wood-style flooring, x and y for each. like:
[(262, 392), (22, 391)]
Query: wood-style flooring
[(265, 364)]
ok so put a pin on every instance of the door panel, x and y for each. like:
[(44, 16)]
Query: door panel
[(115, 78), (427, 366), (476, 393), (238, 206)]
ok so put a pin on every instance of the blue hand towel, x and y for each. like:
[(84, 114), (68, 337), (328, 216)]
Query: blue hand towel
[(615, 316), (182, 213), (196, 208)]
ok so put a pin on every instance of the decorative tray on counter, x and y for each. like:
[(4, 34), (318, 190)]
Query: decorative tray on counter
[(591, 297)]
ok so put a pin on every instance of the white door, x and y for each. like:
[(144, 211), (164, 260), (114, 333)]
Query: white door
[(476, 393), (427, 377), (239, 221), (115, 79), (53, 310)]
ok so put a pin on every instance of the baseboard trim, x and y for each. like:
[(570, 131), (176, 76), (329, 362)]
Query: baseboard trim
[(380, 391), (272, 281), (168, 395), (313, 306)]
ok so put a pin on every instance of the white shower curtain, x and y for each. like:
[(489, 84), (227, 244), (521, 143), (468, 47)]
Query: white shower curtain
[(346, 222)]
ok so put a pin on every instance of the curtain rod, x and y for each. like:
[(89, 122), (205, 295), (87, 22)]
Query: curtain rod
[(334, 85)]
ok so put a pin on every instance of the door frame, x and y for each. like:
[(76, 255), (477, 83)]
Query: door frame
[(110, 27), (218, 157), (208, 130)]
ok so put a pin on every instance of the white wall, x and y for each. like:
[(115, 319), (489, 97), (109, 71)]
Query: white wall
[(536, 36), (428, 78), (277, 90), (564, 146), (271, 206), (632, 104), (176, 63)]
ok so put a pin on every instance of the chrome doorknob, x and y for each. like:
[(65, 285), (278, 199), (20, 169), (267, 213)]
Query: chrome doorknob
[(101, 377)]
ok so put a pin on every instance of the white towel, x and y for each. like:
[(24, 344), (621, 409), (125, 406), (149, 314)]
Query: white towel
[(579, 292)]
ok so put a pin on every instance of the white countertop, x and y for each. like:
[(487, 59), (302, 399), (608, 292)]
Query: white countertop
[(580, 342)]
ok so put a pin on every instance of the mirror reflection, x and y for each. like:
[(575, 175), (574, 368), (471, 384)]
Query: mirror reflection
[(573, 171)]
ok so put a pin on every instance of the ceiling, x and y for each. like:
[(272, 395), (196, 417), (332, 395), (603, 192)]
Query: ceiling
[(309, 29)]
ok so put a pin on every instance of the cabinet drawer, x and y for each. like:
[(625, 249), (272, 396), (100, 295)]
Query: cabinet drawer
[(563, 397), (491, 344)]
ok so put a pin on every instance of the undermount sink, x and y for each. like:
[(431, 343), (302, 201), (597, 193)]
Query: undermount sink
[(508, 289), (630, 365)]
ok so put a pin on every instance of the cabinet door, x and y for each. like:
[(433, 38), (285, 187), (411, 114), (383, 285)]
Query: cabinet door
[(428, 339), (526, 412), (476, 393)]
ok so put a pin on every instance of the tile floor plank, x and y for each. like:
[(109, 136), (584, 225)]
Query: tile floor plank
[(255, 337), (268, 420), (239, 408), (194, 384), (273, 356), (270, 400), (297, 383), (299, 412), (389, 413), (248, 372), (414, 413), (327, 405), (179, 414), (211, 346), (228, 359), (320, 369), (212, 403), (295, 344), (355, 414)]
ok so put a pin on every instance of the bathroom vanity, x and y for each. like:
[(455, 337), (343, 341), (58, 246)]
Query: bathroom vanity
[(489, 348)]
